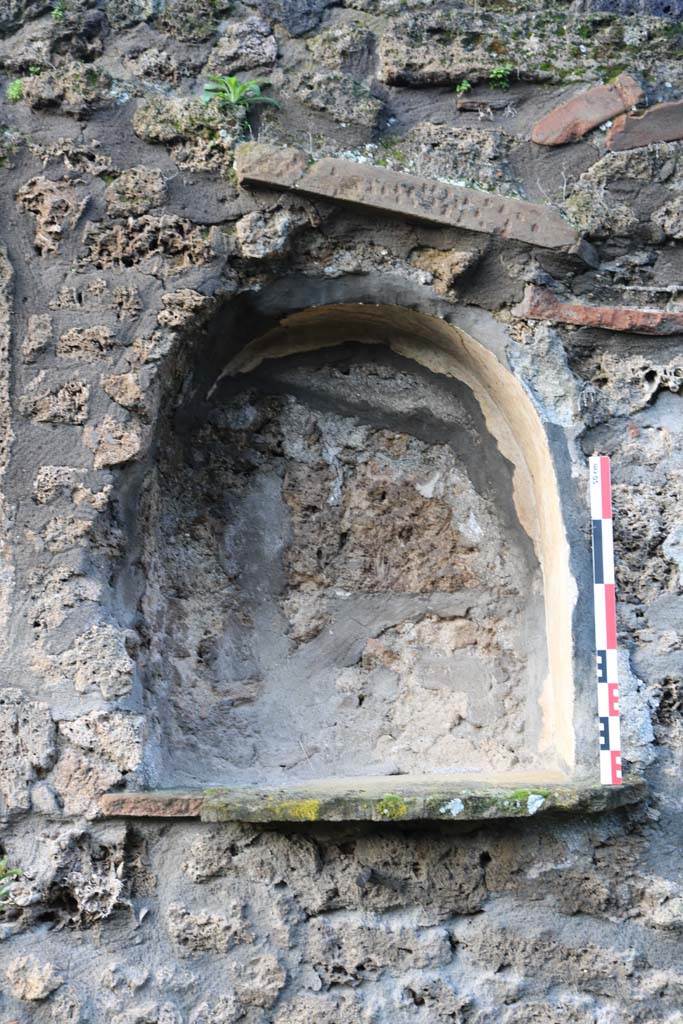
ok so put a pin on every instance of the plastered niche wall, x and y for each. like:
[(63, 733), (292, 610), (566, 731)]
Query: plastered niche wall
[(354, 560)]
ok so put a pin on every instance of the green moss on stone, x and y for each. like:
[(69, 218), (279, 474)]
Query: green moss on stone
[(391, 806), (522, 795), (15, 90), (296, 810), (608, 74)]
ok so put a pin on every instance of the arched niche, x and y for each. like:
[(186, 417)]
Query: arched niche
[(203, 732), (513, 422)]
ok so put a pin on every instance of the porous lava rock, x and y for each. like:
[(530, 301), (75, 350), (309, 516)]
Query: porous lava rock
[(245, 542)]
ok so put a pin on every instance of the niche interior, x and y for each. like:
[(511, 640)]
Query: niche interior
[(354, 564)]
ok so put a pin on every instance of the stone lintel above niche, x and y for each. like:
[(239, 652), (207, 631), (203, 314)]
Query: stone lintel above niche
[(409, 196)]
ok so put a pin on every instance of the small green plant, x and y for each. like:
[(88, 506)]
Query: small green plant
[(230, 93), (463, 87), (7, 878), (391, 152), (15, 90), (35, 70), (500, 76), (59, 10)]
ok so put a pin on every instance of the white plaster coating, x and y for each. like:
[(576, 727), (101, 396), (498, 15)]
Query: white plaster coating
[(453, 807), (673, 549), (428, 489), (534, 802)]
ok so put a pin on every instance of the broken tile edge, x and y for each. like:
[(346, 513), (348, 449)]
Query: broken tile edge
[(542, 304)]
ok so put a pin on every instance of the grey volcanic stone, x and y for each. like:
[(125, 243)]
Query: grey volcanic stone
[(328, 562), (657, 8), (297, 16)]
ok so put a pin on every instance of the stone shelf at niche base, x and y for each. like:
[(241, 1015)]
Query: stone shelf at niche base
[(382, 798)]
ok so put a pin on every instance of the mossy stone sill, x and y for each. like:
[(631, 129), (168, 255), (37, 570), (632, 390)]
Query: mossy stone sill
[(380, 799)]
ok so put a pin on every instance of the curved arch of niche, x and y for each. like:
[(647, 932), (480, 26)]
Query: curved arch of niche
[(511, 418)]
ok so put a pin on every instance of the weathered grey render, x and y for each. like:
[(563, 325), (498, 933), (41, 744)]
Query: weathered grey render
[(297, 691)]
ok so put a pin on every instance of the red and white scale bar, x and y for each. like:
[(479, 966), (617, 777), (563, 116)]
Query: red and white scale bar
[(604, 599)]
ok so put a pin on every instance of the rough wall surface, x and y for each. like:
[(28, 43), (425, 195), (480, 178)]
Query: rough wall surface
[(124, 236), (344, 602)]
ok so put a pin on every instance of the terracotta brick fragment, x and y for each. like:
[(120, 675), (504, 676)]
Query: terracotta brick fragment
[(661, 123), (159, 804), (541, 304), (586, 111)]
